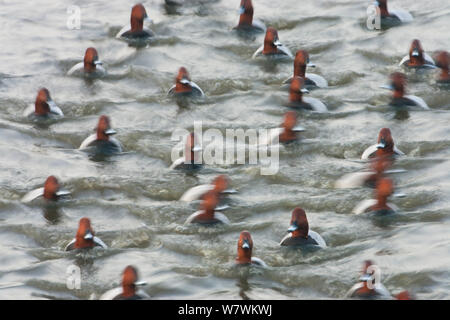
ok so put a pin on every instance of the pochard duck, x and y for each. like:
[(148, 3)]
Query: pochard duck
[(272, 46), (383, 148), (192, 157), (287, 133), (299, 232), (443, 62), (44, 106), (312, 80), (218, 185), (90, 67), (136, 31), (208, 214), (129, 289), (399, 99), (101, 141), (393, 17), (369, 287), (246, 20), (184, 86), (417, 58), (244, 252), (296, 99), (51, 191), (85, 237), (384, 188)]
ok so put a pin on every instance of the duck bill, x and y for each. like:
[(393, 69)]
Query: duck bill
[(415, 53), (277, 43), (381, 145), (399, 195), (229, 191), (387, 86), (298, 129), (292, 227), (222, 208), (365, 277), (241, 10), (62, 193), (88, 235), (312, 65), (98, 62), (185, 81), (197, 148), (376, 3), (304, 90), (246, 245), (110, 132)]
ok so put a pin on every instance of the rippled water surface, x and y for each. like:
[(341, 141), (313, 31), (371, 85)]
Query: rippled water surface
[(132, 198)]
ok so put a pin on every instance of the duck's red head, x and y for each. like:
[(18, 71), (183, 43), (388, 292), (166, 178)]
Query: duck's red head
[(129, 281), (385, 143), (85, 235), (51, 187), (220, 183), (138, 14), (300, 62), (191, 149), (91, 60), (182, 81), (299, 226), (398, 83), (382, 4), (104, 128), (246, 11), (289, 122), (416, 58), (443, 62), (296, 89), (271, 41), (244, 248), (41, 106), (404, 295)]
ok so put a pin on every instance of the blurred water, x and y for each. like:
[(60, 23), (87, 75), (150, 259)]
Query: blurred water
[(132, 199)]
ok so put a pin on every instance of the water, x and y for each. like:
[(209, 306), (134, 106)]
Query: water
[(132, 198)]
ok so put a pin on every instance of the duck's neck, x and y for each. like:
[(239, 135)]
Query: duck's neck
[(269, 48), (296, 97), (128, 291), (287, 135), (299, 70), (102, 136), (298, 234), (416, 61), (181, 88), (89, 67), (244, 256), (41, 108)]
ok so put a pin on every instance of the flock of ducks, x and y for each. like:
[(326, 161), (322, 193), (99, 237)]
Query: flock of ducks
[(380, 155)]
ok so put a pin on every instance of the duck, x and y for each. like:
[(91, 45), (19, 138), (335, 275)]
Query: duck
[(246, 20), (312, 80), (190, 160), (244, 252), (272, 46), (443, 62), (101, 141), (369, 286), (85, 237), (130, 287), (208, 213), (384, 147), (399, 99), (51, 191), (44, 106), (299, 232), (393, 17), (184, 86), (136, 31), (377, 169), (297, 101), (417, 58), (219, 185), (379, 206), (90, 67)]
